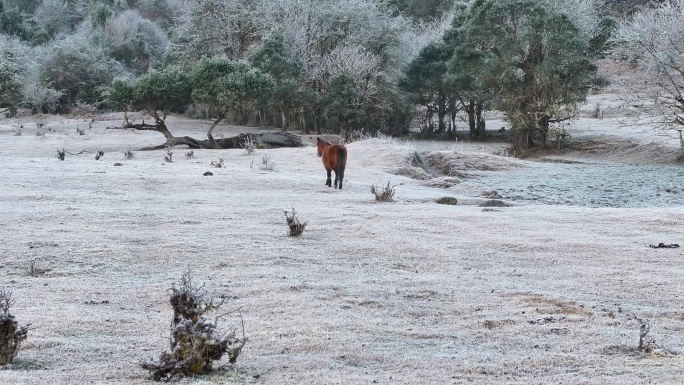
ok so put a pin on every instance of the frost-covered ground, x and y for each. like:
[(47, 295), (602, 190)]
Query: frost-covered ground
[(410, 292)]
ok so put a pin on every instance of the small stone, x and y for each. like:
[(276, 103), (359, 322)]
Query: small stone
[(118, 164), (208, 173)]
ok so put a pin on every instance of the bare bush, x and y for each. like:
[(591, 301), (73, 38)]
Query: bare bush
[(61, 154), (99, 154), (383, 194), (195, 342), (83, 109), (168, 158), (249, 145), (189, 155), (218, 164), (129, 155), (267, 163), (11, 335), (296, 227)]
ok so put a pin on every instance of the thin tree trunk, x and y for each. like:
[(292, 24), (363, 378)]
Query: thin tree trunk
[(210, 135), (471, 117), (286, 124)]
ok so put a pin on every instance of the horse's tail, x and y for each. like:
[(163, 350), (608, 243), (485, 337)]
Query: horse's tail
[(341, 161)]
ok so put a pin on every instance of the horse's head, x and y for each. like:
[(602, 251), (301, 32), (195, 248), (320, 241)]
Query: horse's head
[(320, 143)]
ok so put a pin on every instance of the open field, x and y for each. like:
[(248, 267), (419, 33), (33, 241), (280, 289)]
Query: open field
[(408, 292)]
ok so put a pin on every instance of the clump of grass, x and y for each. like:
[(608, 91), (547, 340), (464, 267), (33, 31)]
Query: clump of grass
[(218, 164), (18, 131), (11, 335), (80, 130), (296, 227), (99, 154), (61, 154), (267, 163), (189, 154), (129, 155), (383, 194), (195, 341), (168, 158)]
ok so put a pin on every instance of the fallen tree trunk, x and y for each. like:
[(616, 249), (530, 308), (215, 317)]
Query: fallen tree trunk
[(261, 140)]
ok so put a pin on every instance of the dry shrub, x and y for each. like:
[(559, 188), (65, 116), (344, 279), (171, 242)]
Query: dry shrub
[(296, 227), (249, 145), (99, 154), (267, 163), (81, 109), (11, 335), (383, 194), (189, 155), (61, 154), (219, 163), (129, 154), (195, 341), (168, 158)]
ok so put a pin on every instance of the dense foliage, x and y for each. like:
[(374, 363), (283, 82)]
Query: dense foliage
[(316, 65)]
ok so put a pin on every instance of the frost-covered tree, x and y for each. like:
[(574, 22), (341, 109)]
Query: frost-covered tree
[(54, 16), (10, 85), (420, 10), (653, 40), (212, 28), (134, 41), (165, 13), (272, 58), (538, 59), (77, 68), (15, 22)]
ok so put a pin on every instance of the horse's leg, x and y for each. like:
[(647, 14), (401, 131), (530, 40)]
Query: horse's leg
[(341, 175), (328, 182), (336, 178)]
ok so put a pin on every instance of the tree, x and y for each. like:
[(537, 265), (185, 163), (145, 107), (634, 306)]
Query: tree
[(271, 58), (653, 40), (157, 93), (18, 23), (426, 78), (134, 41), (419, 10), (160, 92), (10, 86), (228, 86), (538, 60), (213, 28), (342, 105)]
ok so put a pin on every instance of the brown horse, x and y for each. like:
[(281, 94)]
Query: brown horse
[(334, 159)]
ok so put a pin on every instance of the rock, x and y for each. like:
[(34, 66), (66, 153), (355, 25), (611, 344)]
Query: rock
[(447, 201), (495, 203), (118, 164), (208, 173)]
